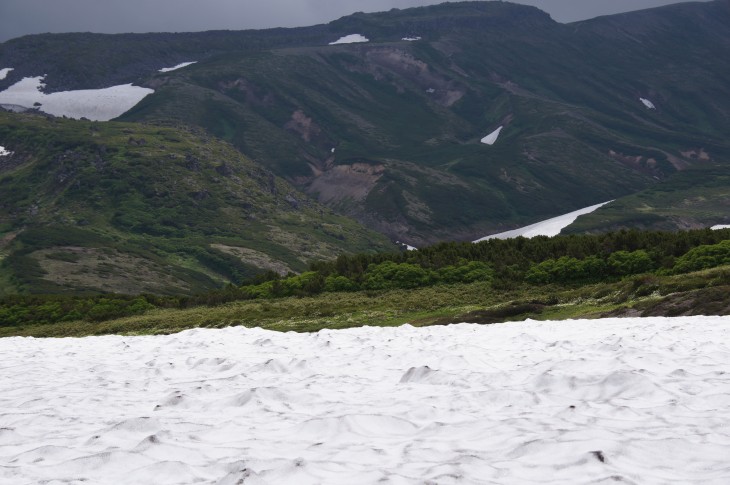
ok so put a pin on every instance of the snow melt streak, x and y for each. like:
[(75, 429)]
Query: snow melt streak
[(629, 400), (179, 66)]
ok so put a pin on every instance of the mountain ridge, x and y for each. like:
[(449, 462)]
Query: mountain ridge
[(388, 131)]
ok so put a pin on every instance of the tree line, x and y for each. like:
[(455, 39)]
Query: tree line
[(504, 264)]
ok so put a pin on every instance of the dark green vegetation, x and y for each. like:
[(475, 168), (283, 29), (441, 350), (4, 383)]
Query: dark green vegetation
[(696, 197), (405, 118), (623, 273), (91, 207)]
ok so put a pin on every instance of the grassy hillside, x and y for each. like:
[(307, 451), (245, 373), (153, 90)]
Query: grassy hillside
[(691, 199), (623, 273), (132, 208), (700, 293)]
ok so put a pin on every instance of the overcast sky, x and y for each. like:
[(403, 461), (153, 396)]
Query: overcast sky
[(20, 17)]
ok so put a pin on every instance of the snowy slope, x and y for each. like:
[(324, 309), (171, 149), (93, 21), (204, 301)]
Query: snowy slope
[(179, 66), (94, 104), (635, 401), (350, 39), (550, 227), (491, 138), (647, 103)]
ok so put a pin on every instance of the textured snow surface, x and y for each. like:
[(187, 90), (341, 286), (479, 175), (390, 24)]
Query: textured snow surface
[(647, 103), (94, 104), (491, 138), (634, 401), (4, 72), (179, 66), (4, 152), (350, 39), (550, 227)]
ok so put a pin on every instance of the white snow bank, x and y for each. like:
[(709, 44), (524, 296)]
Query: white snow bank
[(4, 152), (720, 226), (647, 103), (407, 246), (491, 138), (179, 66), (550, 227), (411, 39), (94, 104), (350, 39), (4, 72), (618, 400)]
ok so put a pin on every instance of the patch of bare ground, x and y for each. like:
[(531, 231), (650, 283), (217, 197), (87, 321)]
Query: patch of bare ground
[(442, 90), (106, 270), (416, 208), (697, 154), (638, 162), (303, 125), (305, 246), (705, 301), (7, 239), (255, 258), (346, 182)]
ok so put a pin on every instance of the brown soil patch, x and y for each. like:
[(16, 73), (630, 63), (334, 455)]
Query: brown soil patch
[(344, 182)]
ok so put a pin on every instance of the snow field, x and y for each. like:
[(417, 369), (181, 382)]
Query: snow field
[(4, 72), (491, 138), (350, 39), (636, 401), (94, 104), (549, 227), (4, 152), (647, 103), (179, 66)]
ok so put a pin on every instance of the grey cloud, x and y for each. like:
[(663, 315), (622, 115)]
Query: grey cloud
[(20, 17)]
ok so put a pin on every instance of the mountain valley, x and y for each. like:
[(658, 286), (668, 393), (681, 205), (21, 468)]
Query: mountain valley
[(448, 122)]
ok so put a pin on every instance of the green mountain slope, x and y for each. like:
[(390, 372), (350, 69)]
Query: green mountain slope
[(692, 199), (136, 208), (389, 131)]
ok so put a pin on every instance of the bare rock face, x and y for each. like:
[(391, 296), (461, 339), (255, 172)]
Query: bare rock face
[(344, 182)]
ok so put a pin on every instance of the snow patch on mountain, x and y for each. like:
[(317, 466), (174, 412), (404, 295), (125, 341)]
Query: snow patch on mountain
[(179, 66), (350, 39), (720, 226), (411, 39), (491, 138), (647, 103), (4, 152), (549, 227), (94, 104), (4, 72)]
